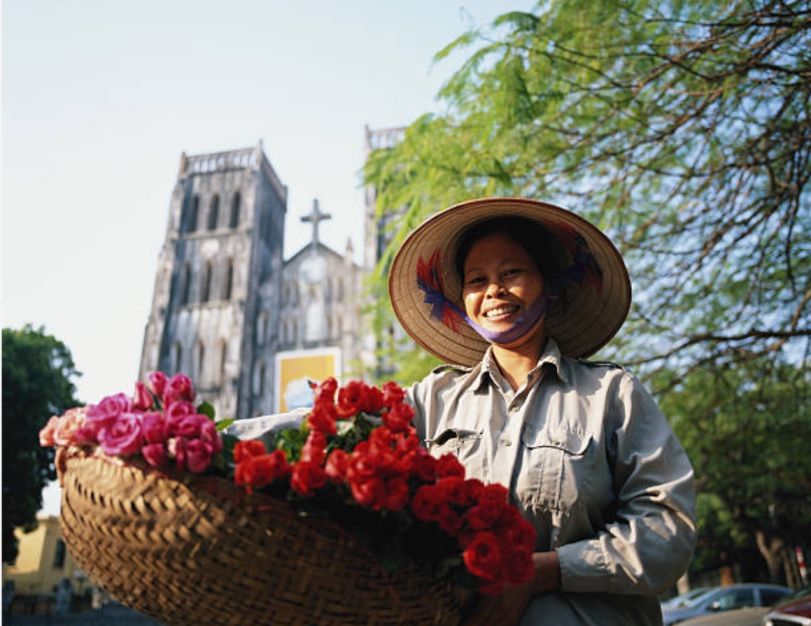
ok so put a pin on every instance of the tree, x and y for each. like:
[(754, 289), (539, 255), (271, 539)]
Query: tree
[(747, 435), (37, 373), (681, 128)]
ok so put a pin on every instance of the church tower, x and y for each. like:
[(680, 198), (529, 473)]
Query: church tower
[(217, 290)]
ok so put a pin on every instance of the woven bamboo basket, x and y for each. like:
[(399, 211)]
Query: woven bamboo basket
[(195, 550)]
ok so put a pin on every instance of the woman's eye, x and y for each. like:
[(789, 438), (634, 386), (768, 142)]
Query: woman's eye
[(475, 280)]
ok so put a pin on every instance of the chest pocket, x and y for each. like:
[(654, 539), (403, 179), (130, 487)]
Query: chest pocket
[(465, 445), (556, 469)]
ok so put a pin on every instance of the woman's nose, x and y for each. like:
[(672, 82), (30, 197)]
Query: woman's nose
[(494, 288)]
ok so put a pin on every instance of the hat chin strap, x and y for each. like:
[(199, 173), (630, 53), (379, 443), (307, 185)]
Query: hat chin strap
[(525, 322)]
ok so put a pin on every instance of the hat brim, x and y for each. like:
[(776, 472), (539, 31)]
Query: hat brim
[(592, 314)]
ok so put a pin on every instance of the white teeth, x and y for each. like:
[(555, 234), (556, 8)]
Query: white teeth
[(501, 310)]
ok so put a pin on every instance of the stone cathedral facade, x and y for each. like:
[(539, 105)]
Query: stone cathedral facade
[(226, 302)]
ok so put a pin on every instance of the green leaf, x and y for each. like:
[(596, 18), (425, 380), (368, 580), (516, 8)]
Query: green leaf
[(223, 424), (207, 409)]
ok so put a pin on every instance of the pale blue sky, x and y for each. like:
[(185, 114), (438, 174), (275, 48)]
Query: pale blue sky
[(99, 98)]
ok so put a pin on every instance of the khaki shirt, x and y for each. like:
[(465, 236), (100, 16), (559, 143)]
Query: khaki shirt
[(591, 461)]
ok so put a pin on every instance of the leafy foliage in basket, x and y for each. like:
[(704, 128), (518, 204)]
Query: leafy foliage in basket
[(355, 459)]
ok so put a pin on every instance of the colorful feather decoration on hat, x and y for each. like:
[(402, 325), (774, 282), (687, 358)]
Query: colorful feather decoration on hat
[(584, 269), (429, 280)]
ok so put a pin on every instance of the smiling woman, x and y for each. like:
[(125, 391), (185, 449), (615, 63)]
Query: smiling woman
[(512, 293)]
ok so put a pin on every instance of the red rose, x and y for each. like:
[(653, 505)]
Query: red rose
[(424, 466), (451, 488), (520, 534), (427, 503), (246, 449), (398, 417), (259, 471), (450, 521), (396, 494), (477, 518), (392, 394), (325, 392), (483, 557), (448, 465), (494, 494), (471, 489), (372, 400), (368, 492), (307, 477), (314, 449), (381, 438), (337, 464), (323, 417), (519, 566), (350, 398)]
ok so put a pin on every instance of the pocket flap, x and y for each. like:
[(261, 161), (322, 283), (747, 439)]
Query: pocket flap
[(566, 440)]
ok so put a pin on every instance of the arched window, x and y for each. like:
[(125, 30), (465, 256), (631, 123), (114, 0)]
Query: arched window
[(229, 280), (199, 363), (329, 327), (205, 285), (214, 212), (191, 218), (262, 327), (223, 360), (294, 332), (235, 201), (177, 357), (185, 294), (340, 295)]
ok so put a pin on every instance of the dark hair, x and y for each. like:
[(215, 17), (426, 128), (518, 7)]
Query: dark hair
[(537, 241)]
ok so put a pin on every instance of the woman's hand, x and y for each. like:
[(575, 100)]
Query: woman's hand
[(508, 607)]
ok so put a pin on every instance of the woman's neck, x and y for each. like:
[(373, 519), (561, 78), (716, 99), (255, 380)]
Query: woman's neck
[(516, 362)]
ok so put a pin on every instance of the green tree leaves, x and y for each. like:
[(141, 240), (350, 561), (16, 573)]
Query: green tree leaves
[(37, 383)]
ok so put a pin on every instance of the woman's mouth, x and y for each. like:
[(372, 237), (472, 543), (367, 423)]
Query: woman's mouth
[(501, 312)]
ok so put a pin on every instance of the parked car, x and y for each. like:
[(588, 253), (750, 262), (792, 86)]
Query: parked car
[(750, 616), (685, 598), (797, 612), (725, 599)]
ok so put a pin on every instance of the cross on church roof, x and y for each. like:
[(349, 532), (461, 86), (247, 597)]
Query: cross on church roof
[(316, 216)]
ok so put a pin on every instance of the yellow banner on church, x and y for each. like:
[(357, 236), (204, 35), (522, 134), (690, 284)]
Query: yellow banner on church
[(294, 371)]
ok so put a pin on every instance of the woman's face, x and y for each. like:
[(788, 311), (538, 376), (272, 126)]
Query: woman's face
[(500, 282)]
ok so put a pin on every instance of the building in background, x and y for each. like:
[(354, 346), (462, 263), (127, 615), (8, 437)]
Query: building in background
[(226, 303)]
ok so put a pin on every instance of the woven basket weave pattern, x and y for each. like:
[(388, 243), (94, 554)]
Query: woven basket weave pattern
[(203, 553)]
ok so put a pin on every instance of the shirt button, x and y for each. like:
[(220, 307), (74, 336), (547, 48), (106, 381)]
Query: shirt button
[(505, 442), (514, 408)]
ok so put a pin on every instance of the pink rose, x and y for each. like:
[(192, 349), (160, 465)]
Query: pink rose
[(143, 399), (106, 411), (87, 433), (176, 412), (157, 381), (198, 456), (46, 435), (191, 425), (179, 388), (209, 435), (68, 425), (177, 451), (154, 427), (155, 454), (123, 436)]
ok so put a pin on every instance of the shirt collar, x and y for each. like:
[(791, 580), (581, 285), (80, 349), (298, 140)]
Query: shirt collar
[(551, 356)]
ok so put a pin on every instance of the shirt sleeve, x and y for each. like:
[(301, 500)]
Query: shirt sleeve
[(649, 540)]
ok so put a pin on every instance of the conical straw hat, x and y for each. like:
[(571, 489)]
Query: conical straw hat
[(598, 289)]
